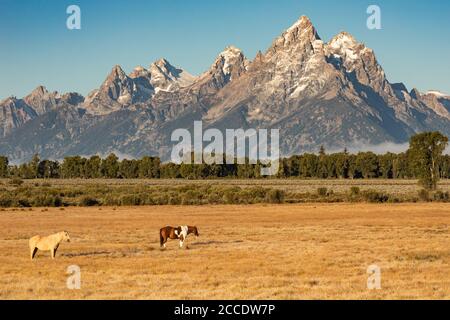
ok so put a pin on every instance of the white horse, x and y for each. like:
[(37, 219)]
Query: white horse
[(49, 243)]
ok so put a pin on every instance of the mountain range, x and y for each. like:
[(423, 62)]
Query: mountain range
[(333, 93)]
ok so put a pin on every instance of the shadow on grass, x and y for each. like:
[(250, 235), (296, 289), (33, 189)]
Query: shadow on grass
[(89, 253), (130, 252), (206, 243), (193, 245)]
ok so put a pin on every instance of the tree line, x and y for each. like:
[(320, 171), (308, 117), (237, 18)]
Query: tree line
[(423, 160)]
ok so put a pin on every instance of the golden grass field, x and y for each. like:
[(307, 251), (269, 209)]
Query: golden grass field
[(318, 251)]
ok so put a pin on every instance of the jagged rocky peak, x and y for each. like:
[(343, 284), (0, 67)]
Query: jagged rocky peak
[(231, 62), (300, 34), (120, 90), (343, 39), (302, 29), (163, 67), (41, 100), (294, 66), (8, 100), (143, 89), (164, 76), (16, 112), (117, 88), (437, 101), (138, 72), (399, 87), (163, 64), (229, 65), (345, 51), (401, 92), (116, 73), (345, 47), (72, 98), (415, 93), (39, 91)]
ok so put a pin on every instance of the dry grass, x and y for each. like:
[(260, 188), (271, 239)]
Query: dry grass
[(244, 252)]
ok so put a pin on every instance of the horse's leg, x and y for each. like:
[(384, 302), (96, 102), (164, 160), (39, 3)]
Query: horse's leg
[(181, 241), (162, 240), (33, 252)]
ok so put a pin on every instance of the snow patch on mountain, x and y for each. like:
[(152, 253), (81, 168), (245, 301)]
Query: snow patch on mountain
[(438, 94)]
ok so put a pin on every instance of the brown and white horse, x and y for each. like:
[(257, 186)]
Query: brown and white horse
[(180, 233)]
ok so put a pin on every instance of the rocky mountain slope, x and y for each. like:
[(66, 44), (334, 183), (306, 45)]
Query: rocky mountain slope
[(317, 93)]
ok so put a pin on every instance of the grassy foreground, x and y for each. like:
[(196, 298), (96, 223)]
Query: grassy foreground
[(309, 251)]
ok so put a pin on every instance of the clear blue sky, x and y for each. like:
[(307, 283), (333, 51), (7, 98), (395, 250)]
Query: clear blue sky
[(37, 48)]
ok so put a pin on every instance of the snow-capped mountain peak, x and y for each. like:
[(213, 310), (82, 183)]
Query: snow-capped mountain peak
[(343, 40), (302, 28), (297, 35), (345, 47), (231, 60), (166, 77)]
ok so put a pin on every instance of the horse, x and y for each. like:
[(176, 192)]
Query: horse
[(180, 233), (49, 243)]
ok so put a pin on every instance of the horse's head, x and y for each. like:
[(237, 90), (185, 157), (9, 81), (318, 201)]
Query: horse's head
[(65, 236)]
